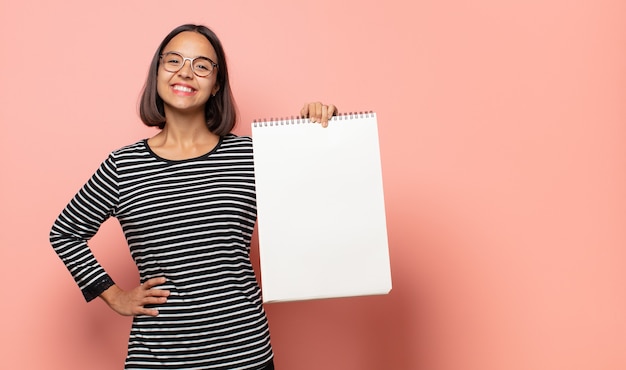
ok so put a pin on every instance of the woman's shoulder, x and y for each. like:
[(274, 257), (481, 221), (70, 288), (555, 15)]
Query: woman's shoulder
[(136, 149), (137, 145), (130, 148), (232, 144), (232, 140), (237, 139)]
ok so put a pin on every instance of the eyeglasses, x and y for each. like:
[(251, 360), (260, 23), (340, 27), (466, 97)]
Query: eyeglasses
[(174, 62)]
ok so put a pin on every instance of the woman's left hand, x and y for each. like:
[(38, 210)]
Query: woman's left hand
[(318, 112)]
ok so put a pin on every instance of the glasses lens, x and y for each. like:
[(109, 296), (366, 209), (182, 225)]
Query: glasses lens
[(202, 67), (172, 62)]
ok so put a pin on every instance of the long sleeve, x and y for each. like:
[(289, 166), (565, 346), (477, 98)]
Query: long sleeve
[(94, 203)]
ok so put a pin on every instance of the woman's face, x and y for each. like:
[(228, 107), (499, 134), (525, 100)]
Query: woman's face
[(184, 91)]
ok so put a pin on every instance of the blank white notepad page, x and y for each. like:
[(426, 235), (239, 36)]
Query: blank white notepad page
[(321, 213)]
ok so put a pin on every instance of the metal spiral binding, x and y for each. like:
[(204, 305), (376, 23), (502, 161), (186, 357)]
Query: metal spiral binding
[(297, 120)]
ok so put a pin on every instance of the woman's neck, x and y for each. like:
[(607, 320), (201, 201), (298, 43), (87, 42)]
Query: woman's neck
[(183, 137)]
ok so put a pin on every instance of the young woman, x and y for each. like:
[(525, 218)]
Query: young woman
[(185, 199)]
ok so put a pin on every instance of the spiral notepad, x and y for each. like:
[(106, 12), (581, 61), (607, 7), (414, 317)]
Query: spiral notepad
[(321, 213)]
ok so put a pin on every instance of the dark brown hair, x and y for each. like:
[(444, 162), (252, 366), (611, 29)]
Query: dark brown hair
[(220, 111)]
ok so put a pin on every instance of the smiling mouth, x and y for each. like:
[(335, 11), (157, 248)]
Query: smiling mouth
[(183, 88)]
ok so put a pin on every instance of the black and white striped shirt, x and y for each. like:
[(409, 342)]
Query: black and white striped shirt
[(191, 222)]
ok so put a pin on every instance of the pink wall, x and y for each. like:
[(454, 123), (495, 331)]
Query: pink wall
[(503, 138)]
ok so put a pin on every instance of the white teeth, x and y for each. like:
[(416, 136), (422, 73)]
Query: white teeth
[(182, 88)]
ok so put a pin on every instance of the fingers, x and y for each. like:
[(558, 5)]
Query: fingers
[(332, 111), (154, 300), (141, 309), (151, 283), (133, 302), (324, 116), (304, 112), (147, 312), (318, 112), (312, 111), (151, 296), (328, 111), (157, 293)]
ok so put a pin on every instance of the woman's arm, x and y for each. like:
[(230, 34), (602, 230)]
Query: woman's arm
[(78, 222), (94, 203)]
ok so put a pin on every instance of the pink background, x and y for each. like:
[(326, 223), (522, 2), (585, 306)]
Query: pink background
[(503, 141)]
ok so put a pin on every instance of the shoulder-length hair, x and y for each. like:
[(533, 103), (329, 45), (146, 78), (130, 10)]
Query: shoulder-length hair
[(220, 111)]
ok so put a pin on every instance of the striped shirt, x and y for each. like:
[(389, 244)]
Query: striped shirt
[(191, 222)]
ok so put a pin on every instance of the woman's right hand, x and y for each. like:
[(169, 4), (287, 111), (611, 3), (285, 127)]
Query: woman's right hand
[(132, 302), (318, 112)]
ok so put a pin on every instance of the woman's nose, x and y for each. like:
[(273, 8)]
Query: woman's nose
[(186, 71)]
